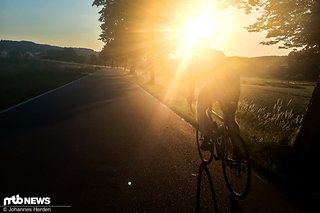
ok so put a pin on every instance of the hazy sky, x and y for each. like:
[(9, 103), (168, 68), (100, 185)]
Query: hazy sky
[(74, 23), (59, 22)]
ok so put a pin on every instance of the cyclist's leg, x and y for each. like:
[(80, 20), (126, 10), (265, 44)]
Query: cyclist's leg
[(204, 102), (232, 122), (229, 109), (234, 130)]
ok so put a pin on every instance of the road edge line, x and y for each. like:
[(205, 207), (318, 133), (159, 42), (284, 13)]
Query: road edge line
[(38, 96)]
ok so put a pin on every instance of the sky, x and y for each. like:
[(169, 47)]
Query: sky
[(69, 23), (74, 23)]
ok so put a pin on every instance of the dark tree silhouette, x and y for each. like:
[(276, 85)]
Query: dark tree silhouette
[(132, 29), (64, 54), (290, 23)]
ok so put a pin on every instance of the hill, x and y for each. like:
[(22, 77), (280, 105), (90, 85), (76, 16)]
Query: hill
[(263, 66), (36, 49)]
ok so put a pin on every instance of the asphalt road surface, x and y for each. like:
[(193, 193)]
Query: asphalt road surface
[(102, 144)]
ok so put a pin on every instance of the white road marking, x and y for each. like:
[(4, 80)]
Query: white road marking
[(38, 96)]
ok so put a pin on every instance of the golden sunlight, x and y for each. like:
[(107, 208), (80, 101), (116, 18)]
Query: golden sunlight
[(205, 24), (202, 24), (199, 28)]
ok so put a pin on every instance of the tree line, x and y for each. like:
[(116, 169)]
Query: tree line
[(29, 50)]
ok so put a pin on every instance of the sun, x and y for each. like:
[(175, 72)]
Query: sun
[(200, 24), (199, 28), (203, 25)]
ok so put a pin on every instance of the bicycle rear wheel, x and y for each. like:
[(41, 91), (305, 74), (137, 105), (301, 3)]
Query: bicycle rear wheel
[(205, 156), (236, 166)]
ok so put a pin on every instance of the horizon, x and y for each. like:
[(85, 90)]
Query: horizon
[(75, 47), (53, 45)]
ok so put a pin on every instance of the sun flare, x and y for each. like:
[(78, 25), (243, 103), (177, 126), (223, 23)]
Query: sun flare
[(199, 28), (200, 24), (204, 25)]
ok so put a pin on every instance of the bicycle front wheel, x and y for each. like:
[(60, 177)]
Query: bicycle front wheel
[(236, 166)]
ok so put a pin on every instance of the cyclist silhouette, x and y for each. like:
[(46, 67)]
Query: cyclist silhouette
[(221, 85)]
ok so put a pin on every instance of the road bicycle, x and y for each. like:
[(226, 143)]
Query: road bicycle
[(230, 148)]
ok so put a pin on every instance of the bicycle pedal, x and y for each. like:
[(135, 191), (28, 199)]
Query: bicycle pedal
[(207, 146), (216, 157)]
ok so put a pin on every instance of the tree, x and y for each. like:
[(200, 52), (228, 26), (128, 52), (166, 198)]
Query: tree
[(290, 23), (64, 54), (304, 63), (133, 28)]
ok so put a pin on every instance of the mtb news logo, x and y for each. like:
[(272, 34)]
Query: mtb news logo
[(17, 200)]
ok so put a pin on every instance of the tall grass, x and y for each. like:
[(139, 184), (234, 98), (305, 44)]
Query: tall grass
[(270, 134), (280, 120)]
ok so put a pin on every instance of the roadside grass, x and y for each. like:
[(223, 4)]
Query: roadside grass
[(269, 134), (21, 79), (270, 117), (266, 96), (178, 104), (276, 82)]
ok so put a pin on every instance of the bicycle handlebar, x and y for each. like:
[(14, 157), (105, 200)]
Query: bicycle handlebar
[(219, 117)]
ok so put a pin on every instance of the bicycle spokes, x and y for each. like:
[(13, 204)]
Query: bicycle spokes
[(236, 168)]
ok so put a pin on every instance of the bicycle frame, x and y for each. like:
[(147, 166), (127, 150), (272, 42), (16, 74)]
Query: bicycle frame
[(235, 165), (212, 112)]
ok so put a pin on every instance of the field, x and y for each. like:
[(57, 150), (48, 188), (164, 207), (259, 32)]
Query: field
[(21, 79), (265, 93)]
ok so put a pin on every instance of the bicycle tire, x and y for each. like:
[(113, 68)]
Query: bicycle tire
[(236, 166), (205, 156)]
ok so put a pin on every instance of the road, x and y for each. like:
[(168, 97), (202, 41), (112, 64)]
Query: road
[(102, 144)]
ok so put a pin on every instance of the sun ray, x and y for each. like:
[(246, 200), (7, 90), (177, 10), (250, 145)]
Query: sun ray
[(203, 24)]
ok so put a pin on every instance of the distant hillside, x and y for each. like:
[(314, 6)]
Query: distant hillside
[(39, 49), (277, 67), (264, 66)]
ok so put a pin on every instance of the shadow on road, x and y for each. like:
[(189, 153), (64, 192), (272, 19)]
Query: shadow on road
[(235, 206), (203, 168), (203, 175), (89, 94)]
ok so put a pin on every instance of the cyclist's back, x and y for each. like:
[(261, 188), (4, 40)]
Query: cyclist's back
[(225, 88), (222, 86)]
